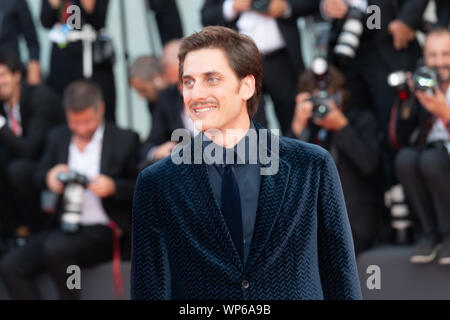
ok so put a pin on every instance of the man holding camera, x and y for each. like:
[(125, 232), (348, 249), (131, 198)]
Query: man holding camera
[(107, 157), (272, 24), (380, 51), (350, 135), (423, 166)]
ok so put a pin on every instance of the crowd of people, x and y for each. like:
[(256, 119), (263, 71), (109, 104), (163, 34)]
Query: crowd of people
[(60, 129)]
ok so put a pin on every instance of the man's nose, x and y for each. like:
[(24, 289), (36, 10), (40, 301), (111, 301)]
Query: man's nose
[(199, 92)]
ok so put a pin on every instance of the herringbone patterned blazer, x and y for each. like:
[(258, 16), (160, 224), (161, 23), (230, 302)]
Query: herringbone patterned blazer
[(301, 247)]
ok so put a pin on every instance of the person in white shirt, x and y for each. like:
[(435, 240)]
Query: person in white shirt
[(107, 156), (423, 166)]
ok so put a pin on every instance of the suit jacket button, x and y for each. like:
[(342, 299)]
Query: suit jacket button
[(245, 284)]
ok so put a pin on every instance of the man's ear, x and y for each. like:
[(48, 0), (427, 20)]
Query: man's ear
[(247, 89), (101, 108)]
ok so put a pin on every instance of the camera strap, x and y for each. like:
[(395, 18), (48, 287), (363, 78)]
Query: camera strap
[(116, 260)]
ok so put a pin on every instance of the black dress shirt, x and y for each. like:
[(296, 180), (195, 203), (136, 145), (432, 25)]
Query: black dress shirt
[(248, 178)]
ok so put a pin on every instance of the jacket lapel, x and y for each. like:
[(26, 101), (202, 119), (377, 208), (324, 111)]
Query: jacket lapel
[(199, 191), (270, 200)]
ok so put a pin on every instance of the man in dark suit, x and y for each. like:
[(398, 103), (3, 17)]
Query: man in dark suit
[(423, 164), (254, 229), (146, 77), (87, 146), (275, 31), (381, 51), (26, 115), (350, 134), (169, 116)]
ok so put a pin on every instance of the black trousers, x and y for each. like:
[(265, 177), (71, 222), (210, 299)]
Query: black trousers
[(19, 198), (425, 177), (279, 81), (53, 251)]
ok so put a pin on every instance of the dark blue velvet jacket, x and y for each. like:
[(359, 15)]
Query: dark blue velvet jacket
[(301, 247)]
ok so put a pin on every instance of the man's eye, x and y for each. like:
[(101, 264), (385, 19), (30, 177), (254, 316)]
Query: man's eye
[(213, 80), (188, 83)]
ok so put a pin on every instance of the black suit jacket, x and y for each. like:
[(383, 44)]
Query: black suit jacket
[(40, 109), (16, 20), (168, 19), (212, 15), (412, 124), (166, 119), (443, 12), (408, 11), (118, 161), (356, 153)]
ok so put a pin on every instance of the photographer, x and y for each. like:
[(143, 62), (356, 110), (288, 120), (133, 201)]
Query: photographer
[(349, 134), (423, 165), (107, 157), (376, 53), (26, 115), (380, 51)]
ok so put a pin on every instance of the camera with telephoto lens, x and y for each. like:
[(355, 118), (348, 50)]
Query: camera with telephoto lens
[(424, 79), (348, 40), (321, 100), (74, 185)]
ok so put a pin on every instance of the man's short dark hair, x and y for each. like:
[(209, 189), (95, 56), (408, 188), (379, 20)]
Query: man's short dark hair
[(242, 53), (439, 31), (81, 95), (11, 61)]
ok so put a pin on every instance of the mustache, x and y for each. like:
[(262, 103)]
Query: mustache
[(202, 103)]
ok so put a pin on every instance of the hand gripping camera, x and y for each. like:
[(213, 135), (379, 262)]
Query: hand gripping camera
[(74, 185), (424, 79), (321, 101)]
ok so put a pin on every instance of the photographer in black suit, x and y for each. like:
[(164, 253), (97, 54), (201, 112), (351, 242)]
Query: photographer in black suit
[(26, 115), (391, 47), (349, 133), (423, 165), (87, 146), (381, 51), (274, 29)]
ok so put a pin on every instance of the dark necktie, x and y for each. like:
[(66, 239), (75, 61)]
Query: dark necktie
[(231, 208)]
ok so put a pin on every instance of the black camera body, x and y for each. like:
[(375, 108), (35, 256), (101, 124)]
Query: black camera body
[(321, 100), (74, 185), (260, 5), (425, 79), (321, 104)]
